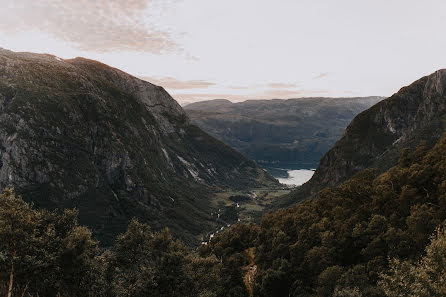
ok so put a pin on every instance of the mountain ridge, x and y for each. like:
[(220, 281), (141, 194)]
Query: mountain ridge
[(293, 131), (375, 137), (78, 133)]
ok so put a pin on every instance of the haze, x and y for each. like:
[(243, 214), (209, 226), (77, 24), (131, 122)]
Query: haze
[(238, 50)]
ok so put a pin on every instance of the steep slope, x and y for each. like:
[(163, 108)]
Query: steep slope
[(294, 131), (78, 133), (376, 137)]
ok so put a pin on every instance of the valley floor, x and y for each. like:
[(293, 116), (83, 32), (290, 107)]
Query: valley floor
[(245, 206)]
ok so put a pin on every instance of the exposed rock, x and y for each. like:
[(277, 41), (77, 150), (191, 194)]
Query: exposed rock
[(376, 136)]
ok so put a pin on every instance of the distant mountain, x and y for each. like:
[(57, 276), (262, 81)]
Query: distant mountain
[(78, 133), (294, 131), (376, 137)]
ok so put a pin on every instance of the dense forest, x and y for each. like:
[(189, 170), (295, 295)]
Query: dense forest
[(374, 235)]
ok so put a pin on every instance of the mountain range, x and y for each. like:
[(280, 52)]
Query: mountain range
[(80, 134), (279, 132)]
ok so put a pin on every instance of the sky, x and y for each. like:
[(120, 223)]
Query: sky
[(241, 49)]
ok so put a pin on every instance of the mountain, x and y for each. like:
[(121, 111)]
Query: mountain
[(80, 134), (376, 234), (376, 137), (294, 131)]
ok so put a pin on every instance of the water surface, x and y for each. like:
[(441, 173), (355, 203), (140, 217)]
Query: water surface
[(296, 177), (290, 174)]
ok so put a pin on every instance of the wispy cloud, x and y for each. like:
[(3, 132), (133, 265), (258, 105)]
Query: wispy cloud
[(275, 85), (175, 84), (282, 93), (321, 75), (282, 85), (240, 87), (285, 94), (91, 25)]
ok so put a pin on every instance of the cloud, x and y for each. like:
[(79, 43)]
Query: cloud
[(285, 94), (282, 93), (281, 85), (240, 87), (90, 25), (270, 85), (174, 84), (321, 75)]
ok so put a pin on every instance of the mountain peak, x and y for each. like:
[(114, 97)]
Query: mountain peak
[(375, 137)]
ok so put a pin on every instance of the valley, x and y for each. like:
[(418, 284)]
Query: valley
[(249, 202), (194, 148), (115, 188)]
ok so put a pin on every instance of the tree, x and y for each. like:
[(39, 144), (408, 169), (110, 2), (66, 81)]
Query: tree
[(131, 262), (327, 280), (46, 253), (419, 279), (18, 224)]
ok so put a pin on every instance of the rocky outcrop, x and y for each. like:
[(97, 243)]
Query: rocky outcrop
[(78, 133)]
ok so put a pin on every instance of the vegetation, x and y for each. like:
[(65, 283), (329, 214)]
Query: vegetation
[(424, 278), (78, 135), (367, 237), (340, 243), (43, 253)]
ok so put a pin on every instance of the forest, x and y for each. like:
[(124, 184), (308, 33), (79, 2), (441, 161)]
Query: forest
[(374, 235)]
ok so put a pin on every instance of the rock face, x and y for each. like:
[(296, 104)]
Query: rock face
[(281, 132), (376, 136), (78, 133)]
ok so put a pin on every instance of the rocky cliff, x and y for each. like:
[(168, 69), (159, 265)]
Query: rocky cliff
[(376, 136), (78, 133)]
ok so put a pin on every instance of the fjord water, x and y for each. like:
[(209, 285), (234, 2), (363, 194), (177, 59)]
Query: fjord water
[(291, 174)]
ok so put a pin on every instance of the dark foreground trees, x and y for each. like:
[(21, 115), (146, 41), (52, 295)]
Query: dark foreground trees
[(363, 238), (44, 253), (423, 278)]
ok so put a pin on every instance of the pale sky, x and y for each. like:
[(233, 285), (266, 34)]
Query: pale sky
[(241, 49)]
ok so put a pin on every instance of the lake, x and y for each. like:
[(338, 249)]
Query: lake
[(290, 175)]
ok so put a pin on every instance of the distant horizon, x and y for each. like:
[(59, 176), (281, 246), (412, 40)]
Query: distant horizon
[(282, 99), (200, 50)]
